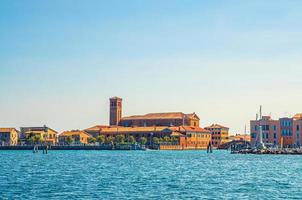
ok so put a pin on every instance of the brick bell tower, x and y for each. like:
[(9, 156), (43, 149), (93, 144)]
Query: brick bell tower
[(115, 111)]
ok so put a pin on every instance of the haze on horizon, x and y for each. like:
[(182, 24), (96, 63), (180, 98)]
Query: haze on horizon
[(60, 61)]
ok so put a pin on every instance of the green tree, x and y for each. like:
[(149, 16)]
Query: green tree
[(120, 139), (109, 140), (167, 139), (36, 139), (91, 140), (69, 140), (155, 140), (132, 140), (101, 139), (175, 140), (143, 140)]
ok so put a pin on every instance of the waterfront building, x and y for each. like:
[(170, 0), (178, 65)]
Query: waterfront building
[(240, 137), (220, 134), (151, 119), (284, 132), (41, 134), (73, 137), (193, 137), (297, 132), (185, 137), (270, 131), (9, 136), (182, 129)]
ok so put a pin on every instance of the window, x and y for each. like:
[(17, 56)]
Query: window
[(255, 128), (298, 127), (253, 135), (274, 127), (275, 135)]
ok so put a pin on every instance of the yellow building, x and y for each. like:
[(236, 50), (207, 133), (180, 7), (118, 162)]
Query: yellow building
[(9, 136), (220, 134), (74, 137), (39, 135)]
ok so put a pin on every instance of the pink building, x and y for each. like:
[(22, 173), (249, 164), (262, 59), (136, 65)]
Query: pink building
[(270, 130), (284, 132)]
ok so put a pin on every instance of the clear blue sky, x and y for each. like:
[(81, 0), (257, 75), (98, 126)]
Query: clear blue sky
[(60, 61)]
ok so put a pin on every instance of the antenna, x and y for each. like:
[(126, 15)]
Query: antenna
[(245, 130)]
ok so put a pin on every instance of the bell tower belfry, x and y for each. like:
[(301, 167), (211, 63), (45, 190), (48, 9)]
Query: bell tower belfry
[(115, 111)]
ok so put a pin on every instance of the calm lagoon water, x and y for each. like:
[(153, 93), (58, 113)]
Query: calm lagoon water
[(148, 175)]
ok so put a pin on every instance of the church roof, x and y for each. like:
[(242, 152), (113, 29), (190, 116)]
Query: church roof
[(216, 126), (168, 115)]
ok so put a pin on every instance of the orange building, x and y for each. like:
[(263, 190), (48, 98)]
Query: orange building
[(297, 130), (151, 119), (115, 111), (9, 136), (161, 119), (73, 137), (182, 129), (220, 134), (194, 138), (188, 137)]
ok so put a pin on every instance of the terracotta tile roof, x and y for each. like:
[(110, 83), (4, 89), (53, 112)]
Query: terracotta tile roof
[(96, 128), (215, 126), (195, 129), (171, 115), (120, 129), (7, 130), (70, 133), (41, 128), (298, 116), (189, 129)]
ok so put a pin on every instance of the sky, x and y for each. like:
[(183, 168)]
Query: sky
[(61, 60)]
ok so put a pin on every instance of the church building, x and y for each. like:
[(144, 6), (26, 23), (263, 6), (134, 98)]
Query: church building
[(151, 119)]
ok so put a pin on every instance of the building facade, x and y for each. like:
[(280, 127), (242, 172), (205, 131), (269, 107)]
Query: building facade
[(285, 132), (297, 132), (270, 131), (149, 120), (42, 134), (9, 136), (161, 119), (220, 134), (115, 111), (187, 137), (73, 137)]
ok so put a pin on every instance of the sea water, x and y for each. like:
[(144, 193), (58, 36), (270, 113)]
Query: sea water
[(148, 175)]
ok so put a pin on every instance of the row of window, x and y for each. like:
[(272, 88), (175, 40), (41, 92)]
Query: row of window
[(287, 132), (286, 123), (274, 127), (264, 135)]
